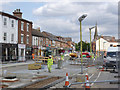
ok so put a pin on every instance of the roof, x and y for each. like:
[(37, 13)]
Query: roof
[(50, 36), (35, 32), (12, 16), (68, 38)]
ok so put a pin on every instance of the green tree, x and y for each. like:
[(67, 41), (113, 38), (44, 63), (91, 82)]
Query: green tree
[(85, 46)]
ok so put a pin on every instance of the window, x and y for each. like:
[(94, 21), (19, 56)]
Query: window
[(36, 41), (27, 27), (22, 52), (111, 45), (22, 25), (12, 23), (5, 37), (12, 37), (27, 39), (5, 21), (22, 37)]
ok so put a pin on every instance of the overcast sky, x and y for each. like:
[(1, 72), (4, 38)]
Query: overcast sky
[(61, 18)]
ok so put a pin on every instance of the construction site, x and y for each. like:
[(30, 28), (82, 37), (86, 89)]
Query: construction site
[(64, 74)]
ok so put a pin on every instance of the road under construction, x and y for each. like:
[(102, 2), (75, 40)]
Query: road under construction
[(18, 75)]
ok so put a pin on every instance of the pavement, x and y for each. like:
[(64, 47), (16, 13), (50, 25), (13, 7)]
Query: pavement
[(16, 64)]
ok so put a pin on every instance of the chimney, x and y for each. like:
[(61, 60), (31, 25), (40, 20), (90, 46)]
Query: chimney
[(17, 13), (113, 38), (38, 28)]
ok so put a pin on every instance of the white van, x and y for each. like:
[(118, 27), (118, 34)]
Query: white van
[(112, 58)]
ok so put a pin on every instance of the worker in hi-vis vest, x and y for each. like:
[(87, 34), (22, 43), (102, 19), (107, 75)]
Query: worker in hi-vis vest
[(50, 63), (62, 56)]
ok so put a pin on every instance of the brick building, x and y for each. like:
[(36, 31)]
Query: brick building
[(24, 36)]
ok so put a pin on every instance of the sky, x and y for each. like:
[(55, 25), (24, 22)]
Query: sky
[(61, 18)]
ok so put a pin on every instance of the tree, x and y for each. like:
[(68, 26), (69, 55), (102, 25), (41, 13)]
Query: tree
[(85, 46)]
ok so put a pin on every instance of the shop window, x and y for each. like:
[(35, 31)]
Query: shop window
[(5, 37), (22, 52)]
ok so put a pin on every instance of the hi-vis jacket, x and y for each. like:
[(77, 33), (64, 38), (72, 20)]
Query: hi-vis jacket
[(50, 61)]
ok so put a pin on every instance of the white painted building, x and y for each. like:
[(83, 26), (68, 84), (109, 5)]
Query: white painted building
[(10, 27), (8, 36), (105, 44)]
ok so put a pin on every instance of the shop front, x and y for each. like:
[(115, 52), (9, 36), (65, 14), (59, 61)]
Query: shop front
[(28, 53), (35, 50), (9, 52), (21, 52)]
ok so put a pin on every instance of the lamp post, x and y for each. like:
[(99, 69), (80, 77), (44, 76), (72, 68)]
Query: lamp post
[(103, 47), (99, 46), (80, 20), (90, 41)]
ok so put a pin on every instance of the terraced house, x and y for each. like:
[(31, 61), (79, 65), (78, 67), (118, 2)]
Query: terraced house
[(8, 37), (24, 36), (15, 37)]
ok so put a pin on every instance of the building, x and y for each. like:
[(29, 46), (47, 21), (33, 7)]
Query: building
[(24, 36), (37, 42), (8, 37), (104, 42)]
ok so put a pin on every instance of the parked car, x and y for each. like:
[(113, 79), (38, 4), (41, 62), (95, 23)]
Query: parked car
[(86, 55), (110, 60)]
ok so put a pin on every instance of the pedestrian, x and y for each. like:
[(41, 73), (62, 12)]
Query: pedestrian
[(50, 63)]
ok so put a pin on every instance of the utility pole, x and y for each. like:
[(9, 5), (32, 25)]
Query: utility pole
[(91, 41), (80, 20)]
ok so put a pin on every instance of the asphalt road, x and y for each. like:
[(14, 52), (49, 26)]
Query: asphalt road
[(72, 70), (100, 76)]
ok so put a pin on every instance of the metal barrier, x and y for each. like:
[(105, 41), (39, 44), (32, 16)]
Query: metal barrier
[(102, 81), (42, 58)]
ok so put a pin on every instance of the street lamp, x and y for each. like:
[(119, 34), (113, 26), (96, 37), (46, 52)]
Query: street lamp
[(99, 45), (103, 47), (80, 20), (90, 41)]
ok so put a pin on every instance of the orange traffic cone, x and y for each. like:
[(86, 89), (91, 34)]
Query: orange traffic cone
[(87, 85), (67, 81)]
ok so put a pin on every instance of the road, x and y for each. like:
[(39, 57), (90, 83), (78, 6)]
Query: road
[(100, 76), (94, 74)]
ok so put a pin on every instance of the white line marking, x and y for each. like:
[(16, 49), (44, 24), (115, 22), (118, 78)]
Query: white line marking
[(91, 76), (96, 78)]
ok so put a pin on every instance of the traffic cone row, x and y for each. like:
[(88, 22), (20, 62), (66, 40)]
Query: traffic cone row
[(87, 85), (67, 80)]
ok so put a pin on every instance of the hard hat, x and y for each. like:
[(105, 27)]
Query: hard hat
[(50, 56)]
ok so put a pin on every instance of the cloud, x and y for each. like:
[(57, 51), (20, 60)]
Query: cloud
[(3, 3), (62, 18)]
